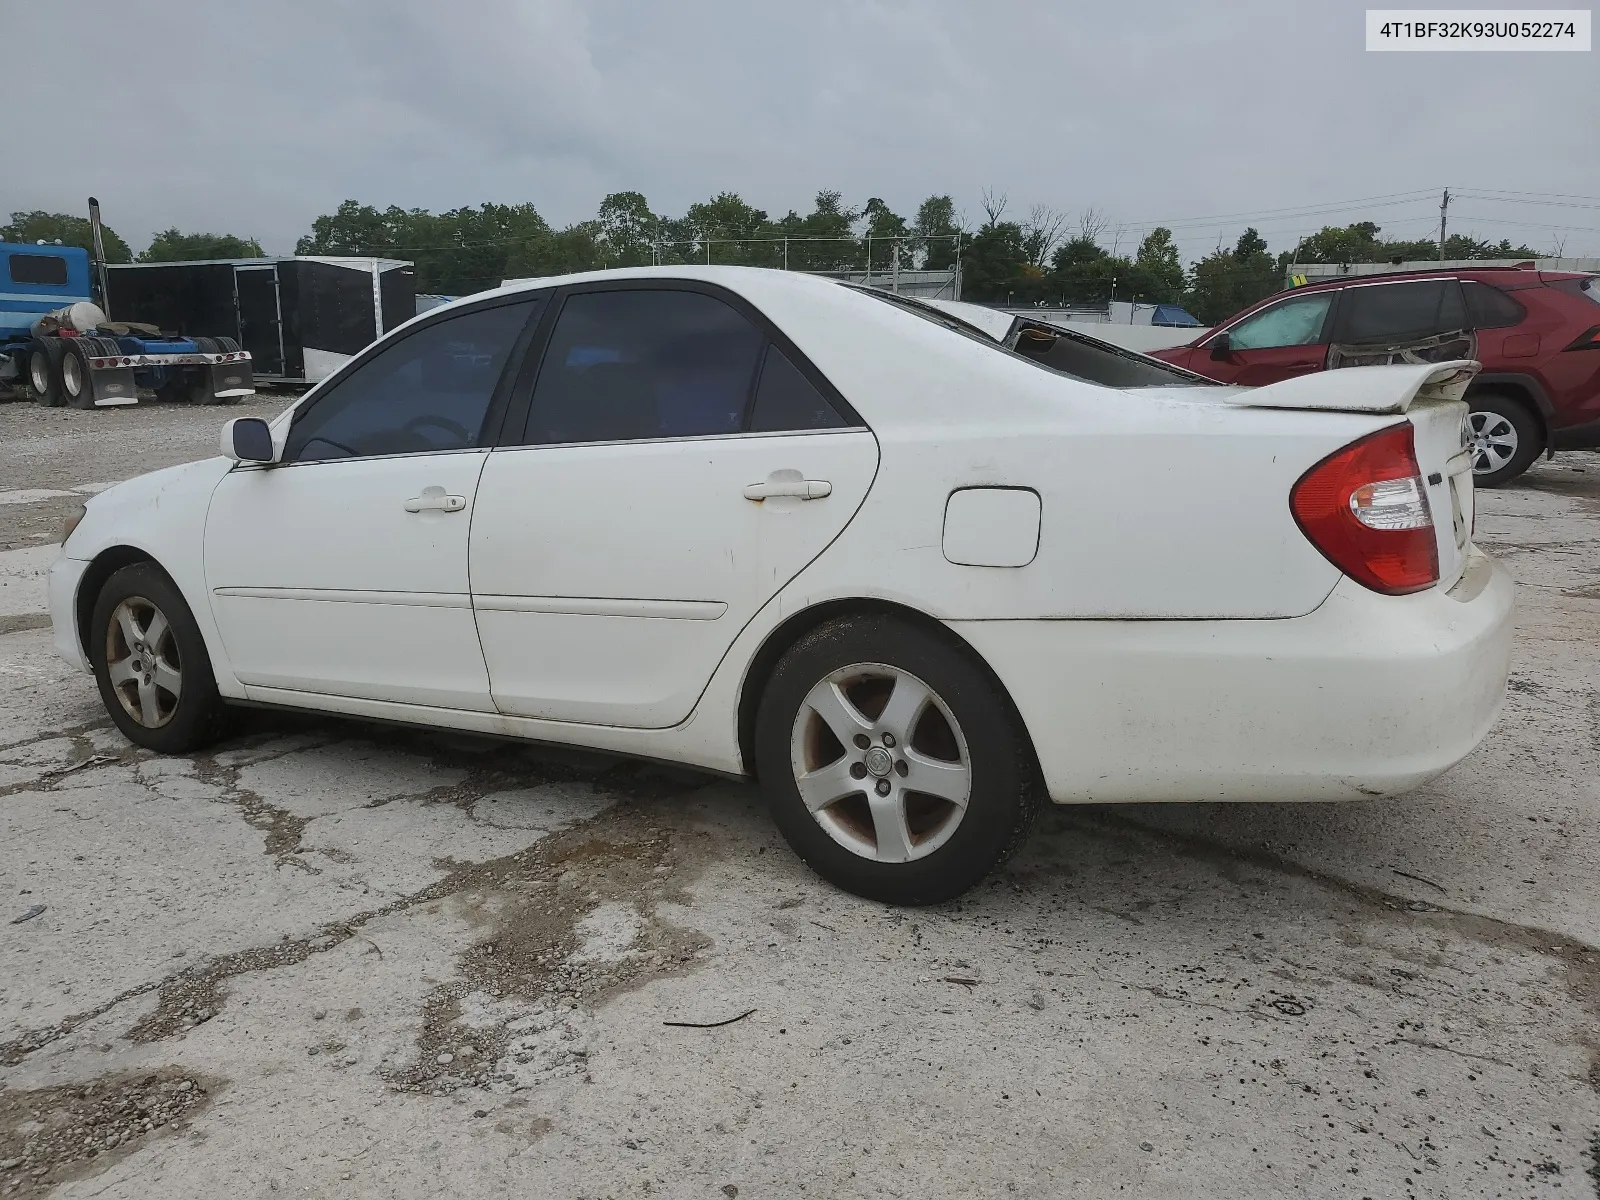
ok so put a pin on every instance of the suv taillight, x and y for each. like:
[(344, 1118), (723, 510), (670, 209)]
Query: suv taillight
[(1366, 509)]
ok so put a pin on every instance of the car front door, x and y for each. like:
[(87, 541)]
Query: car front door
[(342, 570), (679, 463), (1287, 338)]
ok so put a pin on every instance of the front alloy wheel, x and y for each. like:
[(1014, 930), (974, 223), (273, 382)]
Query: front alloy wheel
[(151, 664), (880, 763), (143, 663)]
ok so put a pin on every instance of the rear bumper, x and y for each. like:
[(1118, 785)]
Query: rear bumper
[(1367, 696)]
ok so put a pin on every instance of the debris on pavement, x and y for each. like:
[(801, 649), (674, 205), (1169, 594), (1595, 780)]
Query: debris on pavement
[(709, 1024)]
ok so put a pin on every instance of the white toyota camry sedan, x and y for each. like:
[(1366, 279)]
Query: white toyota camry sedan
[(912, 575)]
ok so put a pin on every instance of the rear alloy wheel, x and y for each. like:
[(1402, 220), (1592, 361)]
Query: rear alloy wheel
[(1502, 436), (151, 663), (892, 762)]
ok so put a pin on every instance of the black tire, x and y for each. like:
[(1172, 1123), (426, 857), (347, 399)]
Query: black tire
[(227, 345), (44, 371), (1507, 437), (1004, 790), (77, 381), (194, 718)]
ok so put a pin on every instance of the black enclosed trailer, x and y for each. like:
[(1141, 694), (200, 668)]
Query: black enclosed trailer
[(300, 318)]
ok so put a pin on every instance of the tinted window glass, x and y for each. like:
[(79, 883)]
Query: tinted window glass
[(786, 399), (47, 269), (428, 391), (1397, 312), (645, 364), (1295, 322), (1490, 308)]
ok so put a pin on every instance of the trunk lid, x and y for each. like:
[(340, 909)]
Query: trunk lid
[(1439, 427)]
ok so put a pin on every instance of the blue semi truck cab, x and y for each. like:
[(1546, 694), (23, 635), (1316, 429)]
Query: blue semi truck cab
[(56, 340)]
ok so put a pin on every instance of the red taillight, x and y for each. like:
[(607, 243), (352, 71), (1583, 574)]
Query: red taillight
[(1366, 508)]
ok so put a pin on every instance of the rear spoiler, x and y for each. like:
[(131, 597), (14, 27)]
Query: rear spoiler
[(1387, 389)]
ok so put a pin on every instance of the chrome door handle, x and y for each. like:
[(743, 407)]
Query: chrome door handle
[(800, 489), (434, 499)]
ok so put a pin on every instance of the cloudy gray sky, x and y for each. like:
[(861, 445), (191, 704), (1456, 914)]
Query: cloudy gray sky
[(255, 118)]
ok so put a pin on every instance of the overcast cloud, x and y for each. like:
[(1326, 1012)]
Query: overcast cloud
[(254, 119)]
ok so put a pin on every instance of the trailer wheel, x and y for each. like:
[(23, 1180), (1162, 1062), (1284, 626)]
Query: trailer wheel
[(207, 345), (227, 345), (77, 386), (44, 370)]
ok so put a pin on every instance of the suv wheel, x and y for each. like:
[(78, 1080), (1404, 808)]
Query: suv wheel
[(892, 762), (1503, 436)]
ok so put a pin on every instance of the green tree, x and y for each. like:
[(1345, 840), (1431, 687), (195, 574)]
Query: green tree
[(457, 252), (825, 238), (992, 265), (733, 230), (172, 246), (1157, 271), (1227, 280), (889, 236), (1360, 243), (1083, 272), (627, 229), (68, 230), (936, 228)]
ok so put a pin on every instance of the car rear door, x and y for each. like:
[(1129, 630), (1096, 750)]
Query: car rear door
[(1286, 338), (678, 462)]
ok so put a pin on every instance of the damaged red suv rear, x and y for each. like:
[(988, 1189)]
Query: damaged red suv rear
[(1537, 334)]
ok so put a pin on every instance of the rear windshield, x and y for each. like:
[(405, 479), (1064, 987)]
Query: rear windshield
[(1083, 358)]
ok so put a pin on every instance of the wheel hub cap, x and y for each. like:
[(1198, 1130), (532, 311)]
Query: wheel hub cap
[(880, 763), (1493, 441), (142, 662)]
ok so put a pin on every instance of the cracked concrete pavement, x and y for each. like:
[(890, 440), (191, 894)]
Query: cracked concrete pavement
[(331, 958)]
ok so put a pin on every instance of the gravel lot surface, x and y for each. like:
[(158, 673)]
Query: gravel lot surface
[(334, 959)]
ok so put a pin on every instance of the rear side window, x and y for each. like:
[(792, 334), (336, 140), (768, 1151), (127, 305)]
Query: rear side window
[(1400, 312), (786, 399), (1588, 288), (428, 391), (49, 270), (1490, 308), (633, 365), (1294, 322)]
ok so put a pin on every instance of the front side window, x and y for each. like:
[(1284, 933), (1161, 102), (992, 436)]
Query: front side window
[(1401, 312), (429, 391), (653, 363), (1294, 322), (44, 270)]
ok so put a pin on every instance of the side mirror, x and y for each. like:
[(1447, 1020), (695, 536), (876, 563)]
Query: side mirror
[(1221, 347), (247, 440)]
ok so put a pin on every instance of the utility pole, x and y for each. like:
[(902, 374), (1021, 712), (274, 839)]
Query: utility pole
[(1444, 205)]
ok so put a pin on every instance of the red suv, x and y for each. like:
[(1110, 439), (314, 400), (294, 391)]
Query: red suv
[(1537, 334)]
